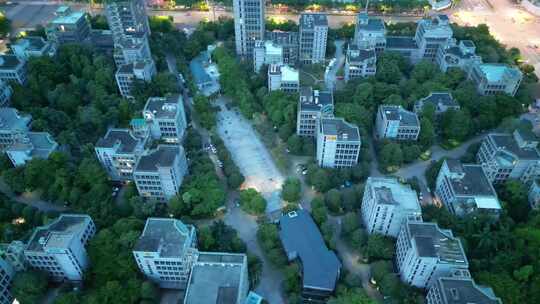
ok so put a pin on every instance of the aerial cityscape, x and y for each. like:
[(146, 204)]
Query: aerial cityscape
[(268, 152)]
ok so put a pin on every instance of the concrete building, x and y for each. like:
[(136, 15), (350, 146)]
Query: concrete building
[(386, 205), (394, 122), (29, 146), (159, 174), (12, 69), (5, 93), (14, 255), (405, 46), (68, 26), (313, 37), (432, 34), (369, 33), (266, 52), (166, 251), (425, 253), (126, 18), (102, 41), (312, 106), (510, 156), (338, 143), (288, 42), (249, 19), (441, 102), (59, 249), (27, 47), (130, 49), (460, 288), (284, 78), (127, 74), (118, 152), (462, 56), (6, 276), (218, 278), (465, 189), (166, 118), (534, 195), (13, 125), (320, 266), (360, 63), (495, 78)]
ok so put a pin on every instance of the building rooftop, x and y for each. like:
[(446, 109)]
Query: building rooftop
[(32, 43), (343, 130), (473, 180), (59, 233), (465, 291), (64, 15), (311, 20), (400, 42), (507, 143), (495, 72), (440, 98), (164, 107), (389, 191), (301, 239), (282, 37), (406, 118), (11, 119), (315, 100), (363, 22), (272, 49), (163, 156), (354, 54), (126, 141), (38, 144), (289, 74), (168, 237), (9, 62)]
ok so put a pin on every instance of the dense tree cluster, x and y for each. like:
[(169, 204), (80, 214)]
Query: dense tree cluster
[(230, 169), (252, 202), (268, 237), (220, 238)]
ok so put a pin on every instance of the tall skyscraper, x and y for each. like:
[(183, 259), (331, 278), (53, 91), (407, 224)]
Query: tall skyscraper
[(313, 36), (248, 25)]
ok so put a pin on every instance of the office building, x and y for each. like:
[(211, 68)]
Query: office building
[(130, 49), (394, 122), (13, 125), (465, 189), (14, 255), (425, 253), (266, 52), (312, 106), (303, 242), (495, 78), (33, 46), (6, 276), (249, 19), (68, 26), (166, 118), (128, 74), (12, 69), (406, 46), (284, 78), (166, 251), (360, 63), (126, 18), (338, 143), (460, 288), (432, 34), (5, 93), (59, 248), (440, 101), (510, 156), (159, 174), (369, 33), (118, 152), (313, 37), (29, 146), (386, 205), (288, 41), (462, 56), (218, 278)]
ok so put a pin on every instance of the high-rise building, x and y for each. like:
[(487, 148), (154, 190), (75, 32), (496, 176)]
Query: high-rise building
[(312, 106), (338, 143), (6, 276), (288, 42), (394, 122), (248, 25), (166, 118), (313, 38), (127, 17), (460, 288), (59, 248)]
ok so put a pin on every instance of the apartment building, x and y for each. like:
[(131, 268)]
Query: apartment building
[(432, 34), (29, 146), (128, 74), (129, 49), (59, 248), (159, 174), (495, 78), (218, 277), (440, 101), (12, 69), (6, 276), (360, 63), (460, 55), (288, 42), (312, 106), (394, 122), (460, 288), (5, 93), (118, 152), (465, 189), (320, 266), (166, 118), (338, 143), (369, 33), (13, 125), (33, 46), (249, 19), (266, 52), (126, 18), (166, 251), (510, 156), (68, 26), (284, 78), (313, 37), (425, 253), (386, 205)]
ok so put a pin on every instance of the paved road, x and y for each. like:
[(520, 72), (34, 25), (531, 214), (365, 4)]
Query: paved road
[(31, 199), (331, 77)]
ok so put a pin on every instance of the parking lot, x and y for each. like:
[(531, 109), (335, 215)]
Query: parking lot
[(250, 155)]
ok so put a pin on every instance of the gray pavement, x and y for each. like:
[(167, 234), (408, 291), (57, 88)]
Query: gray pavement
[(331, 78)]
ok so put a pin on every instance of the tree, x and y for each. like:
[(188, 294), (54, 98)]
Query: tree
[(351, 296), (5, 25), (426, 138), (29, 286), (252, 201), (319, 212), (379, 248), (514, 193), (456, 124), (390, 156), (333, 200), (410, 152), (291, 190), (222, 238), (149, 292)]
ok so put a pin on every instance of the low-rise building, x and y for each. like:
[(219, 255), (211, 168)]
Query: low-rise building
[(5, 93), (425, 253), (129, 49), (313, 37), (394, 122), (465, 188), (166, 118), (360, 63), (441, 102), (59, 248), (13, 125), (431, 35), (166, 251), (32, 46), (534, 195), (370, 32), (288, 41), (118, 152), (14, 255), (320, 266), (218, 278), (284, 78), (312, 106), (495, 78), (460, 288), (6, 276), (68, 26), (462, 56), (338, 143), (510, 156), (12, 69), (127, 74), (29, 146), (386, 205), (266, 52), (102, 41), (159, 174)]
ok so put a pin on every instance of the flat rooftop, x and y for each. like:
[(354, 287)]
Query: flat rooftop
[(354, 54), (343, 130), (168, 237), (507, 142), (289, 74), (389, 191), (406, 118), (40, 144), (400, 42), (164, 107), (465, 291), (364, 22), (32, 43), (59, 233), (315, 100), (495, 72), (311, 20), (163, 156), (9, 62), (473, 180), (11, 119), (123, 137)]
